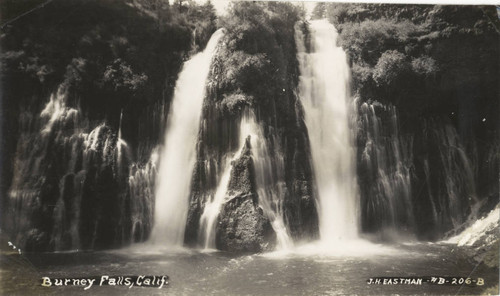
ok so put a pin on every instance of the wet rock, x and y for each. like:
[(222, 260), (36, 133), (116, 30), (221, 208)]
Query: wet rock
[(242, 225), (36, 240), (260, 75)]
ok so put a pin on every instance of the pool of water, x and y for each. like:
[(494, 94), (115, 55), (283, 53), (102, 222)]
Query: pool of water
[(307, 270)]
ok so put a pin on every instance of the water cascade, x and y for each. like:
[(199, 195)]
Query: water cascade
[(269, 197), (324, 93), (71, 166), (56, 112), (269, 179), (122, 146), (178, 157), (212, 208), (449, 175), (386, 158), (396, 170), (141, 183)]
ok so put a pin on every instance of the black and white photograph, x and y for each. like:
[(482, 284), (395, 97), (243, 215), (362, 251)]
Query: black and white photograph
[(216, 147)]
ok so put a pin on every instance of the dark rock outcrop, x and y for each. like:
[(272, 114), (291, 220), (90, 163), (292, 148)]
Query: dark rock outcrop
[(66, 158), (242, 225), (256, 68)]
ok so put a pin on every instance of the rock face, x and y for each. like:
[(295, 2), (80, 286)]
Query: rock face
[(82, 111), (425, 80), (79, 169), (243, 228), (70, 190), (255, 68), (242, 225)]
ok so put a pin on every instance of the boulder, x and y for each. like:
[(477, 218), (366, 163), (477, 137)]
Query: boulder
[(242, 225)]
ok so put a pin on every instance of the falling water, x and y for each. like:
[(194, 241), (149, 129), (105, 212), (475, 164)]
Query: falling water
[(324, 92), (179, 152), (269, 182), (386, 159), (141, 182), (270, 195), (67, 156), (448, 170), (121, 145), (213, 207)]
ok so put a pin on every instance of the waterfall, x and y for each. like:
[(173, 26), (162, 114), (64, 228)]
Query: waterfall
[(72, 173), (427, 174), (269, 179), (141, 183), (449, 176), (212, 208), (270, 195), (121, 145), (179, 151), (324, 93), (385, 161)]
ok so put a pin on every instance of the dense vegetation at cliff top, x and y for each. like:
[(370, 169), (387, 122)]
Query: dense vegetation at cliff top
[(424, 59), (259, 54), (439, 66), (108, 52), (112, 56), (256, 67)]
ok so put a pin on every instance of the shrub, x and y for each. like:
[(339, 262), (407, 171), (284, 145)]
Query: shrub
[(120, 77), (364, 40), (390, 68), (424, 65)]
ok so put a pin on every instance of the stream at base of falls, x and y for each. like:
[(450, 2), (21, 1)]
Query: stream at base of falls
[(300, 272)]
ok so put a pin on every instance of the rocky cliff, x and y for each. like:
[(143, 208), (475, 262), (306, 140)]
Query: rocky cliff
[(426, 83), (87, 85), (85, 89), (256, 68)]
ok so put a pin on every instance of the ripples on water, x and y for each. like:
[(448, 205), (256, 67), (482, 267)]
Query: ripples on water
[(309, 269)]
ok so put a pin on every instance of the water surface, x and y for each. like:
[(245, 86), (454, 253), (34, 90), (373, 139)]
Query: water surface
[(301, 272)]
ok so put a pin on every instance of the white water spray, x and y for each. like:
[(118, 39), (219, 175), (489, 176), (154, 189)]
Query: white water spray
[(212, 208), (324, 92), (269, 185), (179, 152), (269, 197)]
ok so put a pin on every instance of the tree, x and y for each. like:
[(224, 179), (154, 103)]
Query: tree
[(390, 68)]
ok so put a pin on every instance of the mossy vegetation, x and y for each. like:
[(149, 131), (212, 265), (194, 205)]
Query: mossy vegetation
[(438, 65), (258, 58), (432, 51), (112, 54), (118, 62), (256, 68)]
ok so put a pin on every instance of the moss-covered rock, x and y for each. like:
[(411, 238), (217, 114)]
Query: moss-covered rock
[(242, 225), (255, 67)]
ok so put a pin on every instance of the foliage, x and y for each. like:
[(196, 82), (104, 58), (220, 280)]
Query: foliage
[(391, 66), (234, 102), (259, 53), (112, 53), (424, 65), (120, 77), (421, 53), (364, 40)]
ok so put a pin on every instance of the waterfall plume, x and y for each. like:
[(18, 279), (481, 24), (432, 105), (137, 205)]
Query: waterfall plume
[(178, 157), (324, 93)]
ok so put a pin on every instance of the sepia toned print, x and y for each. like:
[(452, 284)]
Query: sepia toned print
[(248, 148)]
